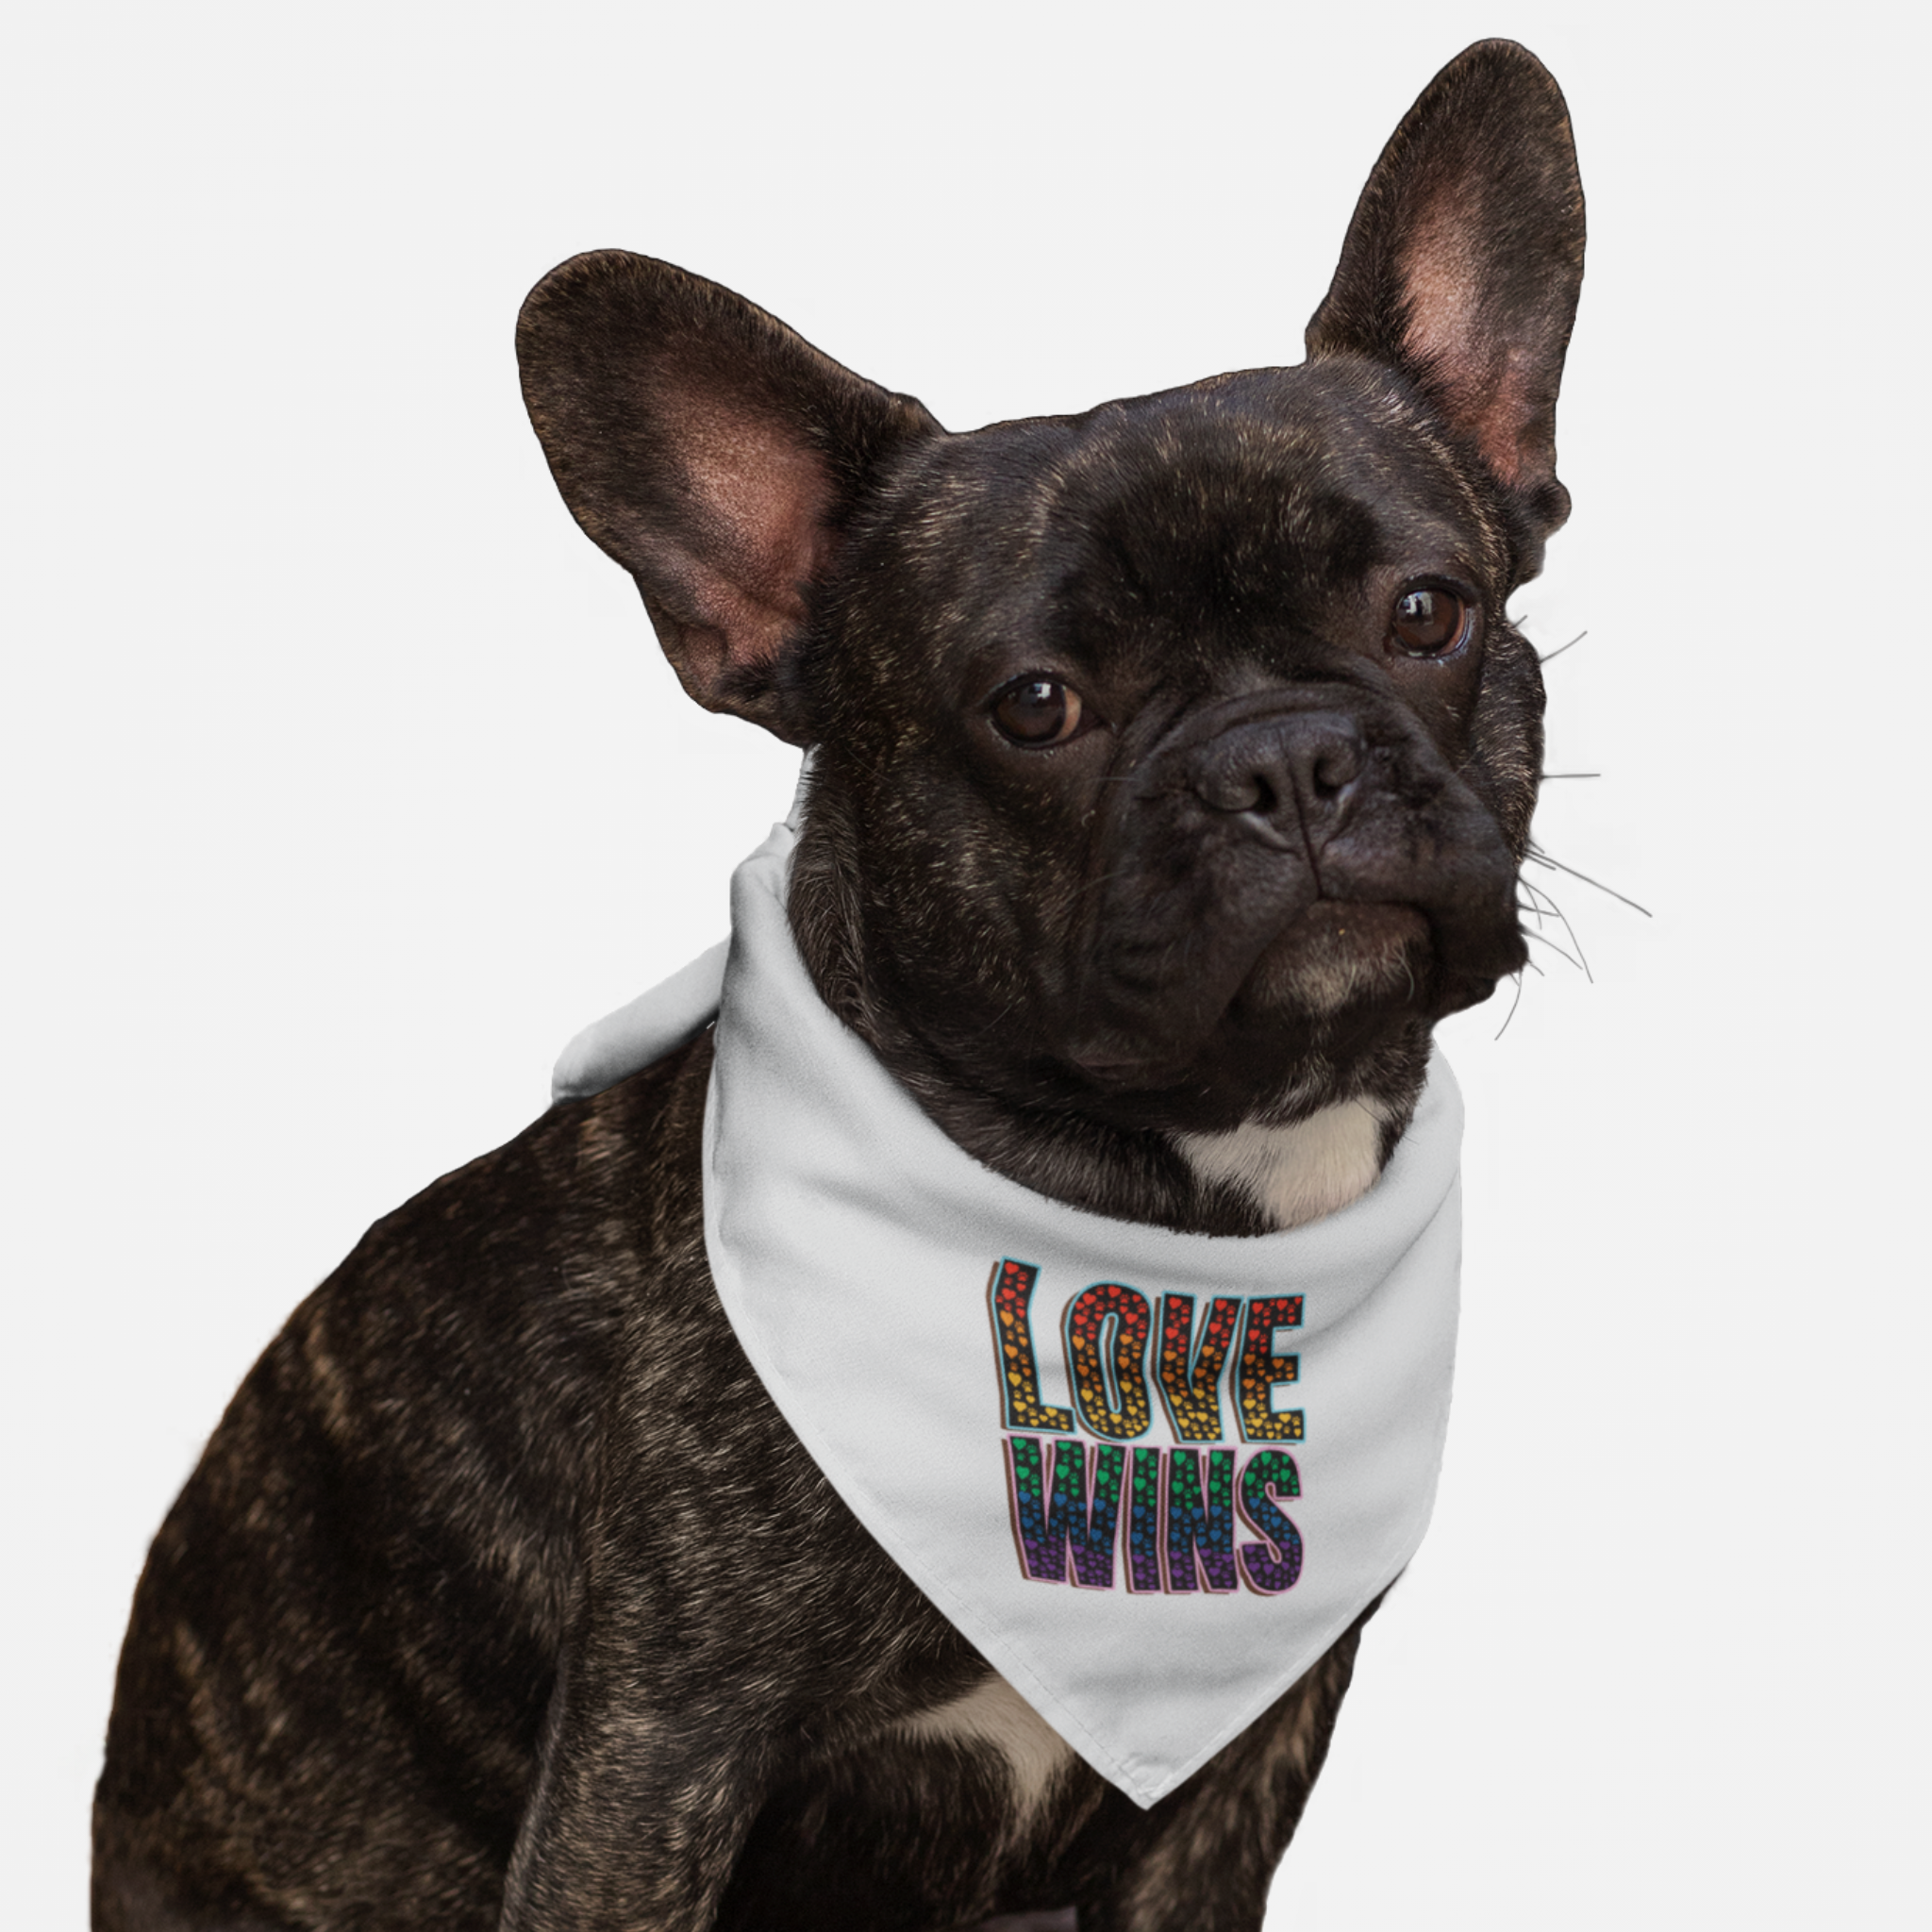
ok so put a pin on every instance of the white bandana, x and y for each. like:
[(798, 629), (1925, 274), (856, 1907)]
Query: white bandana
[(1150, 1477)]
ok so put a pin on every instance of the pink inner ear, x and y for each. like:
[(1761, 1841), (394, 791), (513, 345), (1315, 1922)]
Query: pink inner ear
[(1481, 378), (761, 499)]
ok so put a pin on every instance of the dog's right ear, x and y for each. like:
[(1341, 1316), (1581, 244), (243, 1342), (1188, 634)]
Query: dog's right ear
[(1462, 264), (713, 453)]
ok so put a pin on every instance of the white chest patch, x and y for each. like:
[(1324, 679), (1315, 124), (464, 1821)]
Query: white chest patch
[(1295, 1174), (994, 1713)]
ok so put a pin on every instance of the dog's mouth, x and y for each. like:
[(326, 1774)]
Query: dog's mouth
[(1332, 960), (1336, 953), (1349, 889), (1338, 976)]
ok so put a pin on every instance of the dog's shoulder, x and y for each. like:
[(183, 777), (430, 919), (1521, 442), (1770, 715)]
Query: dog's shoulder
[(538, 1248), (413, 1455)]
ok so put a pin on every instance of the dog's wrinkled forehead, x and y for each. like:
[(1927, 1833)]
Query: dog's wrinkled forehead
[(1194, 521)]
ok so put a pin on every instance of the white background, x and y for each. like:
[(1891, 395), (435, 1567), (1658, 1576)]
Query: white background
[(342, 782)]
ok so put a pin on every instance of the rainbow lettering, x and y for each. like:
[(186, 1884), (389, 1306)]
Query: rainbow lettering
[(1184, 1505)]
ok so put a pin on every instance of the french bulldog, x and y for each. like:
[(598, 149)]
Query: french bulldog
[(1174, 766)]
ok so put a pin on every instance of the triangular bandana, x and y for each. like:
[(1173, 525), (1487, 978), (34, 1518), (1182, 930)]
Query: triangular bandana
[(1150, 1477)]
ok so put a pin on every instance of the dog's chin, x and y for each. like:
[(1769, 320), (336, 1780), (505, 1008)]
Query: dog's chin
[(1334, 985), (1339, 954), (1338, 976)]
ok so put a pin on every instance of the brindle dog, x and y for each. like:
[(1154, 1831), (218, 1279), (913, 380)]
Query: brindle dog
[(1174, 764)]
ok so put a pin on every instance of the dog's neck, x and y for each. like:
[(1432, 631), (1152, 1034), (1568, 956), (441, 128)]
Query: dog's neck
[(1316, 1149), (1298, 1172), (1251, 1180), (1258, 1176)]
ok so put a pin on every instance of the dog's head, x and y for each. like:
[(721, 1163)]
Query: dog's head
[(1176, 759)]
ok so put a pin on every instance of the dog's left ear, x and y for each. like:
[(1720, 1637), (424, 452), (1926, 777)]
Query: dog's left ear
[(714, 454), (1463, 265)]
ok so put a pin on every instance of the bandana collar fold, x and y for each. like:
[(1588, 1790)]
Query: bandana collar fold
[(1151, 1476)]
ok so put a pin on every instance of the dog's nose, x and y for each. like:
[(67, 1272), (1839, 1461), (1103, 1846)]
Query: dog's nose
[(1292, 777)]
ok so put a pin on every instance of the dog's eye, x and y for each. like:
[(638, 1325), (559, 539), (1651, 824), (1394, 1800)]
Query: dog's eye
[(1036, 711), (1429, 623)]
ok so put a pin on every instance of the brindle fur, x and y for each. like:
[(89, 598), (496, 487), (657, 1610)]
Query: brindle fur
[(442, 1631), (409, 1478)]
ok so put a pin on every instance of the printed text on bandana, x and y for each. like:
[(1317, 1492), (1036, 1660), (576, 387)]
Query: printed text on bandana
[(1096, 1497)]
